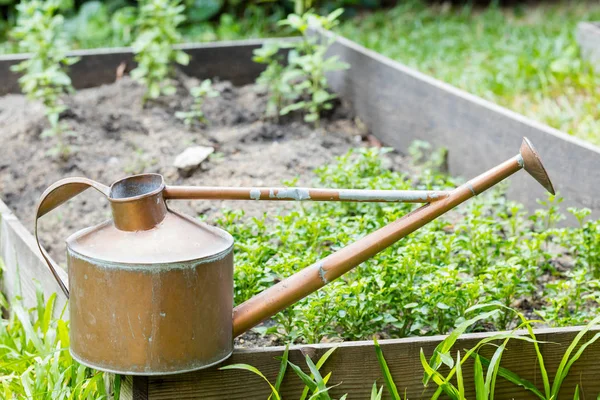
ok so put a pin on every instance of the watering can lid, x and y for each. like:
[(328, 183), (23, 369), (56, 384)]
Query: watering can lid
[(177, 239)]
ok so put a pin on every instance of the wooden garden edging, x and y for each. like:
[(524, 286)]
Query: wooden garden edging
[(23, 263), (355, 366), (588, 37), (228, 60)]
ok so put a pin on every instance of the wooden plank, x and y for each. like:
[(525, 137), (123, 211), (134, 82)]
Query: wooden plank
[(134, 388), (23, 264), (228, 60), (400, 105), (588, 37), (355, 367)]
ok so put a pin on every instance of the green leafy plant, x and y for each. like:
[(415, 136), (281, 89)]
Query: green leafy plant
[(300, 85), (39, 32), (154, 52), (199, 93)]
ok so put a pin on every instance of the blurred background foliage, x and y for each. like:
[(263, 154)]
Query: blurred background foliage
[(110, 23)]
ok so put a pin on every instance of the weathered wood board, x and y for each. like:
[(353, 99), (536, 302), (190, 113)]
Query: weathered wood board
[(588, 37), (355, 368), (23, 264), (400, 105), (227, 60)]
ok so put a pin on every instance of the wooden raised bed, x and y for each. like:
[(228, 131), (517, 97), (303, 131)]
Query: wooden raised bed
[(588, 37), (399, 105)]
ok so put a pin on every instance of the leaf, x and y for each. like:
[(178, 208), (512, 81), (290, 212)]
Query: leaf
[(446, 344), (320, 364), (254, 370), (304, 377), (442, 382), (459, 378), (480, 393), (566, 362), (282, 367), (576, 395), (492, 372), (516, 379), (203, 10), (315, 373), (387, 376), (182, 58)]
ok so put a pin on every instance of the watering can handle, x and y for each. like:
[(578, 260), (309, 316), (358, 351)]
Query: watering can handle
[(54, 196)]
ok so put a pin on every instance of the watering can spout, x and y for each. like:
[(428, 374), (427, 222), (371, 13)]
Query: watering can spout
[(532, 163)]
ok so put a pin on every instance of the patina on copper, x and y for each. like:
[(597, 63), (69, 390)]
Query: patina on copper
[(151, 291)]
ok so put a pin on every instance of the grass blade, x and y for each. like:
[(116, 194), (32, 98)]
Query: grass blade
[(558, 379), (282, 368), (516, 379), (459, 378), (320, 363), (387, 376), (480, 393), (444, 347), (312, 385), (576, 395), (315, 373), (442, 382), (492, 372), (560, 371)]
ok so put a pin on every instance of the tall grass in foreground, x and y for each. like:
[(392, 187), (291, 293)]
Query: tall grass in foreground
[(453, 383), (34, 358), (525, 57)]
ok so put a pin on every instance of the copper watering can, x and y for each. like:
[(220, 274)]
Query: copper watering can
[(151, 291)]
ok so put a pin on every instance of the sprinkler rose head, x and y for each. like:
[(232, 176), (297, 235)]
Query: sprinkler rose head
[(532, 163)]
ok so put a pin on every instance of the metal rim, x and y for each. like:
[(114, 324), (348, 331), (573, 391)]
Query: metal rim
[(123, 372), (156, 191)]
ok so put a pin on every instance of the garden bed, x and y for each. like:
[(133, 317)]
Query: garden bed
[(399, 105)]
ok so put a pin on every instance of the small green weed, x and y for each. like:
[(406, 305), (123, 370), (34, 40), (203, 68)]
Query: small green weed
[(199, 93), (39, 31), (300, 84), (156, 34)]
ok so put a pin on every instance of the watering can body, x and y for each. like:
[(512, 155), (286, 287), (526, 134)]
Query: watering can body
[(151, 290), (153, 301)]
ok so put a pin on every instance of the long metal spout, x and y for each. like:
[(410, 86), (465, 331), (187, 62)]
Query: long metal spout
[(314, 277)]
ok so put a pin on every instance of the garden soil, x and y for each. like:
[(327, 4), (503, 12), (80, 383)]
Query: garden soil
[(115, 135)]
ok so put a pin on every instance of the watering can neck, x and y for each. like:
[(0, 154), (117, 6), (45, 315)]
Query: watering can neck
[(137, 202)]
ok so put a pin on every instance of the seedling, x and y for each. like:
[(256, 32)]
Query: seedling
[(199, 93), (154, 52), (300, 84), (39, 32)]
